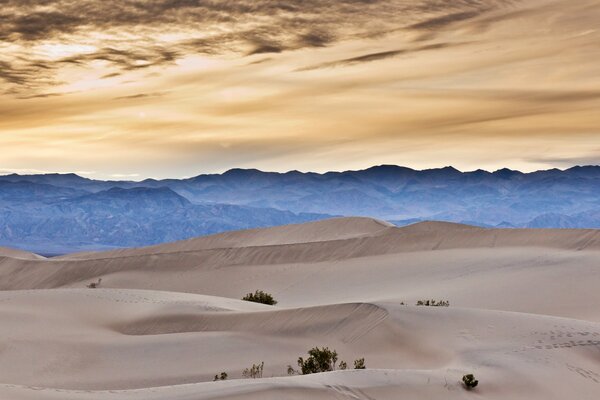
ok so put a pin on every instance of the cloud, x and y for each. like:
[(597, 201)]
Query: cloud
[(445, 20), (140, 96), (591, 158), (382, 55), (42, 25), (128, 86), (266, 47), (128, 33)]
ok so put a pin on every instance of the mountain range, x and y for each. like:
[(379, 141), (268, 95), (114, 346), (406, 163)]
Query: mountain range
[(58, 213)]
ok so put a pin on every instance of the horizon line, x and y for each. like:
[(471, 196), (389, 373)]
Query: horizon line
[(82, 174)]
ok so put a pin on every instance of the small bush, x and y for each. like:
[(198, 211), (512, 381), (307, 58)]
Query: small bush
[(260, 297), (95, 285), (359, 364), (470, 381), (319, 360), (434, 303), (221, 377), (256, 371), (322, 360)]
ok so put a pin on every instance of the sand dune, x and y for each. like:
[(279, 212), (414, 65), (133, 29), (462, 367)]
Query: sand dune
[(314, 232), (534, 271), (167, 318), (128, 341), (14, 253)]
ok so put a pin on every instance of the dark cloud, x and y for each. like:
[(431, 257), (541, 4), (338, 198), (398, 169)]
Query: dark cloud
[(27, 75), (41, 25), (130, 59), (244, 27), (9, 75), (260, 61), (265, 49), (140, 96), (41, 96), (444, 20), (315, 39), (111, 75), (377, 56)]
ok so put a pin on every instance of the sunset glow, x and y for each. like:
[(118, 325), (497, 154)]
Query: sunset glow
[(178, 88)]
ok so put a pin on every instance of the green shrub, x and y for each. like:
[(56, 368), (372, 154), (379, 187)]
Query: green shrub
[(260, 297), (470, 381), (434, 303), (322, 360), (319, 360), (256, 371), (221, 377), (359, 364), (95, 285)]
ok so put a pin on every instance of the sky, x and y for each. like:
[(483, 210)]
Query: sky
[(174, 88)]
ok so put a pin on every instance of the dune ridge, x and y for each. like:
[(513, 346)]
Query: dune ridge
[(431, 235)]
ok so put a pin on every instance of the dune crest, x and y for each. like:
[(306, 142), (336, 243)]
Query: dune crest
[(320, 231)]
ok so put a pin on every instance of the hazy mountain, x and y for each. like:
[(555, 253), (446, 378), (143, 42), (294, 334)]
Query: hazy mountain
[(76, 212), (124, 218), (588, 219), (398, 193)]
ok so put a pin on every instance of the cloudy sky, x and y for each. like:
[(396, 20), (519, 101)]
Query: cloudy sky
[(173, 88)]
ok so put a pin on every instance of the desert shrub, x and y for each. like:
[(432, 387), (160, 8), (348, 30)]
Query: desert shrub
[(359, 364), (221, 377), (95, 285), (434, 303), (470, 381), (319, 360), (322, 360), (256, 371), (260, 297)]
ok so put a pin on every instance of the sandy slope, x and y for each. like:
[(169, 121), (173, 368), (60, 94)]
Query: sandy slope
[(18, 254), (119, 340), (523, 315)]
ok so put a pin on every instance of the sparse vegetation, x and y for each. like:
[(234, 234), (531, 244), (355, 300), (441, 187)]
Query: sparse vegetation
[(470, 382), (95, 285), (221, 377), (256, 371), (260, 297), (319, 360), (322, 360), (434, 303), (359, 364)]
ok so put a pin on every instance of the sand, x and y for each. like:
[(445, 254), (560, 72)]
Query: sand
[(523, 315)]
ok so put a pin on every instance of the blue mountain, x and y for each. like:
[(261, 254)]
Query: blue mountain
[(68, 212)]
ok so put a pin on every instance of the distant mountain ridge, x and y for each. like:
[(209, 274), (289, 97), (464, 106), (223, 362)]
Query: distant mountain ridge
[(73, 212), (118, 217)]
